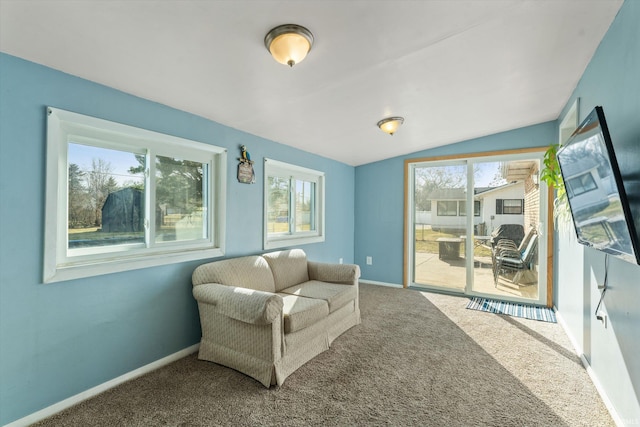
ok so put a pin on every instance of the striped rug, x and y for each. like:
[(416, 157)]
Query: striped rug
[(513, 309)]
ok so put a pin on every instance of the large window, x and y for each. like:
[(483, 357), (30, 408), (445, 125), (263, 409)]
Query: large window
[(462, 208), (459, 208), (120, 198), (582, 184), (447, 208), (509, 206), (293, 205)]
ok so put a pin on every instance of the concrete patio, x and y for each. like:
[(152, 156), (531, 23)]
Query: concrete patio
[(451, 274)]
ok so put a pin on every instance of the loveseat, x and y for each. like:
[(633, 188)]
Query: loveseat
[(268, 315)]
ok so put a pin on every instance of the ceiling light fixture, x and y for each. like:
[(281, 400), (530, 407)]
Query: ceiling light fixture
[(289, 43), (391, 124)]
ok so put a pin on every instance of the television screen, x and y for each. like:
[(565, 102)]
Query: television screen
[(596, 195)]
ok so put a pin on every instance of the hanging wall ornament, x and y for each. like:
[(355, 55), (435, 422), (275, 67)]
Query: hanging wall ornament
[(246, 175)]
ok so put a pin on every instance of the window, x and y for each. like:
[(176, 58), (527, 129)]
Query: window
[(582, 184), (447, 208), (293, 205), (120, 198), (509, 206), (462, 208)]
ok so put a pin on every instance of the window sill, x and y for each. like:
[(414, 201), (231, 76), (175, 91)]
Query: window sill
[(97, 268), (292, 241)]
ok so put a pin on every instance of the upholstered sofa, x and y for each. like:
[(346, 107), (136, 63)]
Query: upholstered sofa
[(267, 315)]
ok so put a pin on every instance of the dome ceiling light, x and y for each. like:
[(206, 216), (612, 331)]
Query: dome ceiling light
[(391, 124), (289, 43)]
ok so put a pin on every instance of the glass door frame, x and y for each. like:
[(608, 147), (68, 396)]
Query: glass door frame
[(545, 226)]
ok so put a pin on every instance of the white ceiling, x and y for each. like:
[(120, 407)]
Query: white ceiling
[(454, 69)]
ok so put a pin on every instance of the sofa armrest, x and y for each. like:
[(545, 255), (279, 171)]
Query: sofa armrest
[(334, 273), (246, 305)]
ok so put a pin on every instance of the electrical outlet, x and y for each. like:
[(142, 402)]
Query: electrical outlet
[(340, 261), (369, 260)]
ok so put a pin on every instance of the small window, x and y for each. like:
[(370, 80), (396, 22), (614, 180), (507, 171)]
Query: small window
[(582, 184), (120, 198), (509, 206), (293, 205), (462, 208), (447, 208)]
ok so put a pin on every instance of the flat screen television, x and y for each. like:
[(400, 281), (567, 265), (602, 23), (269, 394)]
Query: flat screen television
[(597, 198)]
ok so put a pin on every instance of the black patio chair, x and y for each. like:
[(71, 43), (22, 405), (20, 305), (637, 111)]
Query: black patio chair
[(511, 244), (513, 232), (515, 261)]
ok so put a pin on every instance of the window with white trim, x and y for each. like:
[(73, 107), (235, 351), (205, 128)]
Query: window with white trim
[(447, 208), (293, 205), (462, 208), (581, 184), (509, 206), (120, 198)]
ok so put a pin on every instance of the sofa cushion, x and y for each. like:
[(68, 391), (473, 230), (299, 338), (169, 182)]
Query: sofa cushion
[(300, 312), (246, 272), (288, 267), (334, 294)]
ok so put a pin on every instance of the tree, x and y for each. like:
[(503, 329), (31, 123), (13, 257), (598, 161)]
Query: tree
[(278, 197), (498, 180), (432, 178), (99, 184), (79, 216), (178, 183)]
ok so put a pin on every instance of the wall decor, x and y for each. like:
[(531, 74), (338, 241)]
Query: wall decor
[(246, 174)]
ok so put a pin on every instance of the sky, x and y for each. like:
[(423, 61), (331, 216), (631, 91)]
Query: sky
[(120, 161)]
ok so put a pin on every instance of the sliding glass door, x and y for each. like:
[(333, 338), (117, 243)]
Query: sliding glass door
[(439, 253), (477, 226)]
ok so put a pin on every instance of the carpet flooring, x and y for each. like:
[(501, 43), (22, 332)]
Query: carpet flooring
[(417, 359)]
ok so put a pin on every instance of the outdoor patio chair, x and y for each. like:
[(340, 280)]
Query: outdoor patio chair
[(511, 244), (514, 261), (513, 232)]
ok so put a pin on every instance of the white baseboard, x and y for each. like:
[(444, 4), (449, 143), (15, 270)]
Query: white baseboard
[(594, 379), (94, 391), (373, 282)]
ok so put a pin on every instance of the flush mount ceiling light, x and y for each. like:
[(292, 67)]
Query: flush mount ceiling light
[(391, 124), (289, 43)]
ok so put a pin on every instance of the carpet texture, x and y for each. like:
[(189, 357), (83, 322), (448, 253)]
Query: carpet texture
[(512, 309), (416, 359)]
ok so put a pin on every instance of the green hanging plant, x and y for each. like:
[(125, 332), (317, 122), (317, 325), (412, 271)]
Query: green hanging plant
[(552, 176)]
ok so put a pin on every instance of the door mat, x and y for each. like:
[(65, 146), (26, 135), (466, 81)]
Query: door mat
[(513, 309)]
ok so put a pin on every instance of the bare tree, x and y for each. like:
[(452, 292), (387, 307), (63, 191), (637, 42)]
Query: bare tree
[(99, 184), (432, 178)]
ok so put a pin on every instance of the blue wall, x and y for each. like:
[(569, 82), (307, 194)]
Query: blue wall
[(380, 198), (61, 339), (610, 80)]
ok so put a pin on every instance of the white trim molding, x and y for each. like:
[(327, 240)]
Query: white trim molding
[(69, 133)]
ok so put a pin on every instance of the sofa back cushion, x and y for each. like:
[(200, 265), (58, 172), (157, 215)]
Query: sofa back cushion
[(247, 272), (288, 267)]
